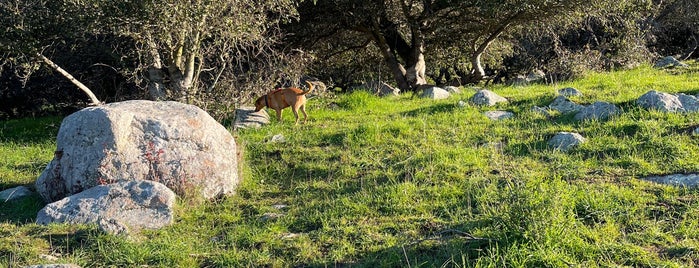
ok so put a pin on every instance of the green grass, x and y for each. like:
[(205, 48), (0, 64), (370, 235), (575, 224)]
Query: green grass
[(398, 182)]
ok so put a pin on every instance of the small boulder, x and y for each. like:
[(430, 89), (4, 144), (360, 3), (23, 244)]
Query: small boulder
[(499, 115), (461, 103), (536, 76), (683, 180), (569, 92), (487, 98), (246, 117), (136, 204), (597, 111), (435, 93), (669, 62), (565, 141), (696, 132), (173, 143), (279, 138), (14, 193), (564, 105), (660, 101)]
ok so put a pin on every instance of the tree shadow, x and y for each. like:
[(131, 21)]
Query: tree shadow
[(433, 109), (37, 130)]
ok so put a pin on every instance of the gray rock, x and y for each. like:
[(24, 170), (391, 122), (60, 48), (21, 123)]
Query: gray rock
[(696, 132), (279, 138), (14, 193), (452, 89), (689, 103), (271, 216), (540, 110), (176, 144), (669, 62), (569, 92), (487, 98), (499, 115), (378, 88), (536, 76), (660, 101), (565, 141), (564, 105), (461, 103), (246, 117), (435, 93), (518, 81), (136, 204), (683, 180), (597, 111)]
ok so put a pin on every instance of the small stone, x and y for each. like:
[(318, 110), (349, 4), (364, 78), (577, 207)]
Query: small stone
[(681, 180), (597, 111), (279, 138), (461, 104), (569, 92), (499, 115), (435, 93), (290, 236), (565, 141), (487, 98), (564, 105), (280, 206), (14, 193), (271, 216)]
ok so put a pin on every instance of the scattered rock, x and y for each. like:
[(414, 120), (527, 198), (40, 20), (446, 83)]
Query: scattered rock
[(461, 103), (280, 206), (452, 89), (564, 105), (689, 103), (536, 76), (569, 92), (565, 141), (290, 236), (176, 144), (279, 138), (48, 257), (683, 180), (136, 204), (660, 101), (487, 98), (518, 81), (669, 62), (246, 117), (435, 93), (597, 111), (499, 115), (378, 88), (14, 193), (696, 132), (540, 110)]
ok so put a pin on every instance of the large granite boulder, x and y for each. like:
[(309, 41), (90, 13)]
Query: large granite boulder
[(176, 144), (135, 204)]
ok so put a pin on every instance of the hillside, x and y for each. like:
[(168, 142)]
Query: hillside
[(409, 182)]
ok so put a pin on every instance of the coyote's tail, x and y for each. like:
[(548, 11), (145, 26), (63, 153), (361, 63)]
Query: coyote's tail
[(310, 85)]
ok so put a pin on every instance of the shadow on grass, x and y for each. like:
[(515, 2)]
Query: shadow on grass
[(21, 210), (433, 109), (37, 130)]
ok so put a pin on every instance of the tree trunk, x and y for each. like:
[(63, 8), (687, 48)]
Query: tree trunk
[(81, 86), (156, 86), (397, 69)]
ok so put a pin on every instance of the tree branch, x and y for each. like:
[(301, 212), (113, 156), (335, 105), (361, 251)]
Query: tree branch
[(72, 79)]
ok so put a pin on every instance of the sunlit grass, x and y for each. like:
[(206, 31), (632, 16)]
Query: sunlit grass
[(402, 181)]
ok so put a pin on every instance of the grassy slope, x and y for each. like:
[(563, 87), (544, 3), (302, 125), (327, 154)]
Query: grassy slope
[(401, 181)]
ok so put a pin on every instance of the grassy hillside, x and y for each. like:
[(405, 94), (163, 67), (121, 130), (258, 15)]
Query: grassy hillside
[(403, 182)]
